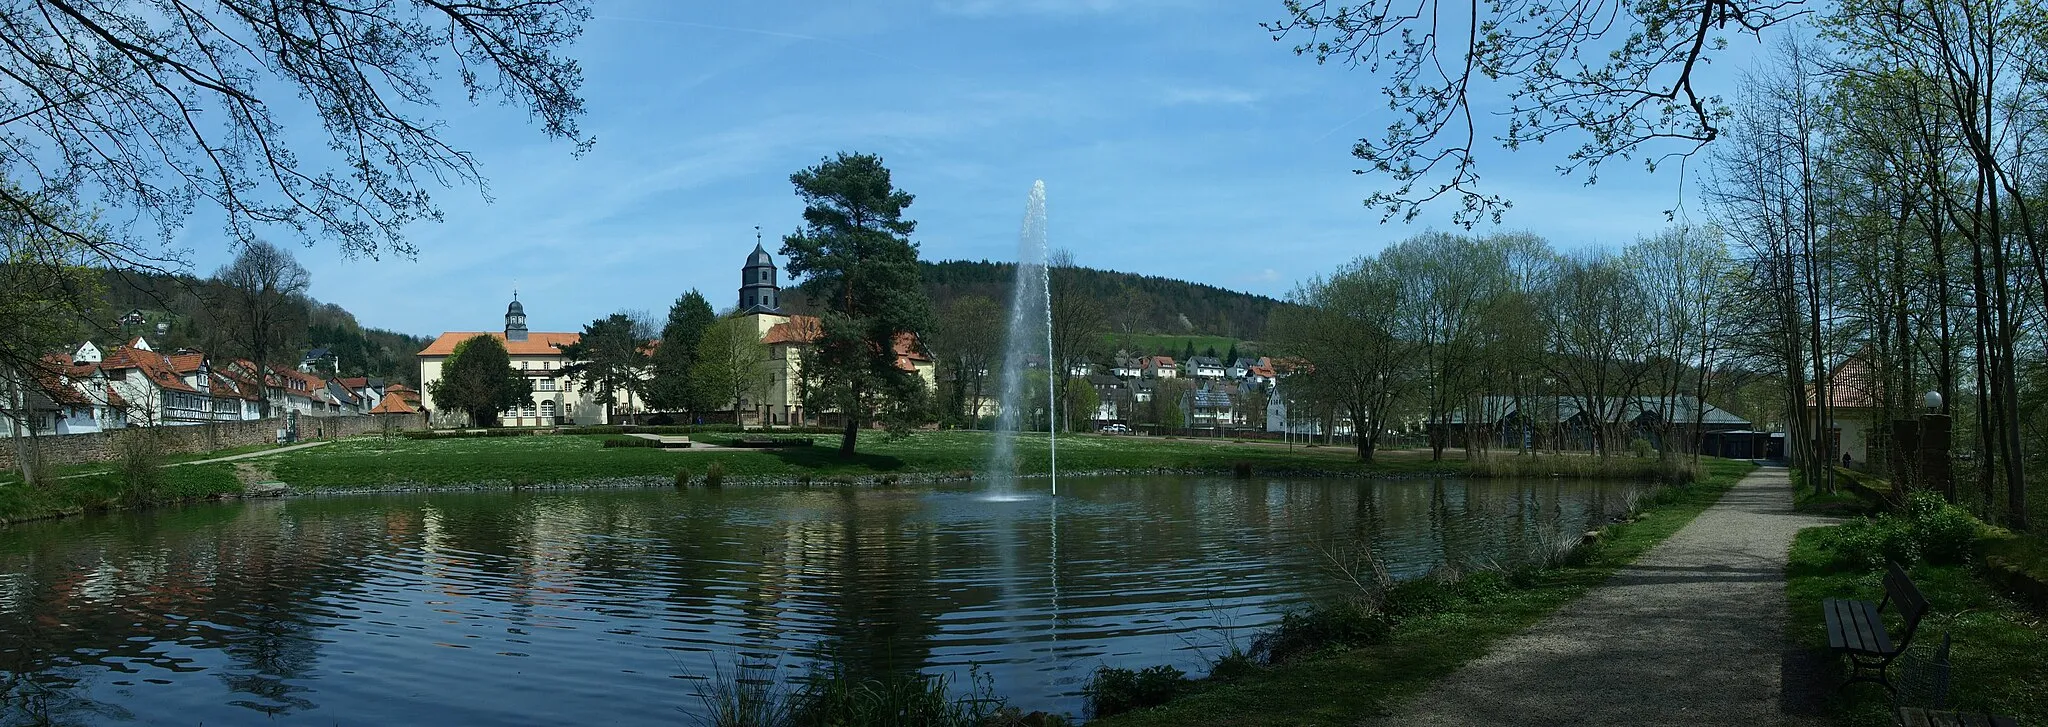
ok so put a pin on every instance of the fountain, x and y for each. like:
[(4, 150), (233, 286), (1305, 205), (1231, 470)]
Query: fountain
[(1030, 296)]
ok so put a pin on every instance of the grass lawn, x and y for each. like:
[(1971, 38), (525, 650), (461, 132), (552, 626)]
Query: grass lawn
[(373, 461), (1340, 688), (1173, 345), (1999, 644)]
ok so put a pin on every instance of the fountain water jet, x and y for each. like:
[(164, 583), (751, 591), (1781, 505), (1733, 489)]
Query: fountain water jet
[(1030, 324)]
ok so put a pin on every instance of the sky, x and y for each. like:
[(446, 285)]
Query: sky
[(1175, 138)]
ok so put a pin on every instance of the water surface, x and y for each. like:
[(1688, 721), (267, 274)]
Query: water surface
[(505, 608)]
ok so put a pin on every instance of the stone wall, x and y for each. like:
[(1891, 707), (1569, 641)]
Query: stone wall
[(99, 447)]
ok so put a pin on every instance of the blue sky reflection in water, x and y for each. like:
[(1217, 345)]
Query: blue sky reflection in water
[(525, 608)]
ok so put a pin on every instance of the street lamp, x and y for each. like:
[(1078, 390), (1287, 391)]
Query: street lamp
[(1932, 401)]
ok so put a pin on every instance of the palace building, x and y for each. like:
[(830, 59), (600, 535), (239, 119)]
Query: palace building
[(557, 401), (537, 353)]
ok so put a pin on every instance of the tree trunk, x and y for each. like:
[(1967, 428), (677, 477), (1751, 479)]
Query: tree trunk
[(847, 438)]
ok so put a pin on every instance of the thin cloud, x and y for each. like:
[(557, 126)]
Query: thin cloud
[(1207, 96)]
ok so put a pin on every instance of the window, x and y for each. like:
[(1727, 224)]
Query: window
[(764, 275), (547, 408), (547, 385), (526, 409), (522, 365)]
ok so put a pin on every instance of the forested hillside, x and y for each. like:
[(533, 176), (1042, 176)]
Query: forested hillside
[(1135, 303), (180, 302)]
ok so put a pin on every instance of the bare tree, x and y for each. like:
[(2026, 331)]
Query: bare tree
[(161, 106), (1436, 56), (259, 303)]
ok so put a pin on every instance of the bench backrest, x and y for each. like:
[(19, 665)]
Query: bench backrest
[(1905, 597)]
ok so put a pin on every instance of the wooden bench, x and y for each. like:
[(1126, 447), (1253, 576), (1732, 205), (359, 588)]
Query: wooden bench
[(1856, 628), (1917, 717)]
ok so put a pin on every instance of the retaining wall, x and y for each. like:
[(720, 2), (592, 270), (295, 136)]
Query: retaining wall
[(99, 446)]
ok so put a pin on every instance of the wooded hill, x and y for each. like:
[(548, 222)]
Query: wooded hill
[(1137, 304), (179, 300)]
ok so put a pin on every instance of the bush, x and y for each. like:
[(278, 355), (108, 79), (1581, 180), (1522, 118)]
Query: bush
[(1946, 533), (1869, 542), (1115, 691), (139, 455), (1234, 665), (1348, 624), (1928, 527), (615, 442), (682, 478), (714, 475)]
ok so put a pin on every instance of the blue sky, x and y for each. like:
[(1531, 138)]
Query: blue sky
[(1175, 138)]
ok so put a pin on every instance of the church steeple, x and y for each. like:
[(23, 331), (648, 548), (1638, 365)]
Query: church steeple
[(515, 319), (759, 292)]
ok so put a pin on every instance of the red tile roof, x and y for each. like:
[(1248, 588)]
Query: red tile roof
[(355, 382), (1852, 385), (807, 329), (186, 363), (537, 343), (394, 404)]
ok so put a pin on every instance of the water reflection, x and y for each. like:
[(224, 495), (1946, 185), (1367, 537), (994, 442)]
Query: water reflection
[(516, 608)]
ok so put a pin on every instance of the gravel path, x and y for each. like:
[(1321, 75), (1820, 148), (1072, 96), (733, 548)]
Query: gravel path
[(1692, 633)]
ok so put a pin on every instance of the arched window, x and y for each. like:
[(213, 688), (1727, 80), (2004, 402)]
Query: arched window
[(764, 275), (547, 409)]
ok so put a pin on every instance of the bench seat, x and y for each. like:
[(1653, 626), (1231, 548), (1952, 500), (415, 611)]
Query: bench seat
[(1856, 627)]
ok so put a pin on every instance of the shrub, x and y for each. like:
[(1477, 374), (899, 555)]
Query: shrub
[(714, 475), (1347, 624), (1233, 665), (615, 442), (838, 699), (139, 454), (1116, 691), (682, 478), (1869, 542), (1946, 533), (1641, 448)]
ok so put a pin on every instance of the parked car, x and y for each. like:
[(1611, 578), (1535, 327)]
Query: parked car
[(1116, 429)]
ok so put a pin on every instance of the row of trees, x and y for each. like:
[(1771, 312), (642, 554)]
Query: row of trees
[(858, 266), (1434, 328), (1882, 181)]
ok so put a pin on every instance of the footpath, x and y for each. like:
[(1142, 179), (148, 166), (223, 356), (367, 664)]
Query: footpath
[(1692, 633)]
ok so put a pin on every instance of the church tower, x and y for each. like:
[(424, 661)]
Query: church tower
[(515, 320), (759, 292)]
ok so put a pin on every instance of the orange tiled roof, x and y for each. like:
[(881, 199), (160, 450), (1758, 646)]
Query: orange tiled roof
[(393, 404), (537, 343), (798, 329), (186, 363), (154, 366), (1852, 385), (355, 382), (806, 329)]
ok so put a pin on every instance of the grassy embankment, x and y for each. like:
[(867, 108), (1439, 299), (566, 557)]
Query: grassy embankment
[(1998, 639), (1340, 685), (105, 490), (564, 459)]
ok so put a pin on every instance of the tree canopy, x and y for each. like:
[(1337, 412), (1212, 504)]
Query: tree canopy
[(858, 264), (674, 358), (478, 379), (607, 361)]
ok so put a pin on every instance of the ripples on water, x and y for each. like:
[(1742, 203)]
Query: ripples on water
[(520, 608)]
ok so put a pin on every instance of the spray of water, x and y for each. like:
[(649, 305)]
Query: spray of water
[(1030, 325)]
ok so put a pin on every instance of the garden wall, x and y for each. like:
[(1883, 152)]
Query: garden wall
[(99, 446)]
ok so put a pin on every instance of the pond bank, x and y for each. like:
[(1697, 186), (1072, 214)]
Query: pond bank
[(1340, 685)]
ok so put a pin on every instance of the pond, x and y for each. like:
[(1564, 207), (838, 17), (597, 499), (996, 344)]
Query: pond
[(513, 608)]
